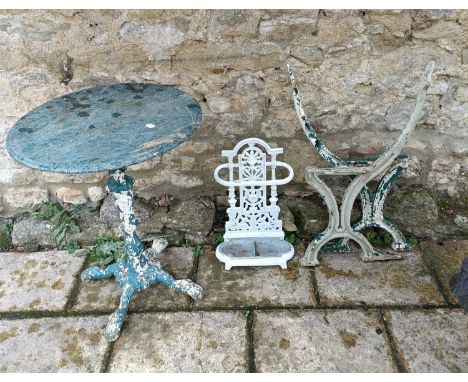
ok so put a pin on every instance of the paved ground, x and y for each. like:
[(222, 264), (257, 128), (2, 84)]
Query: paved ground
[(344, 316)]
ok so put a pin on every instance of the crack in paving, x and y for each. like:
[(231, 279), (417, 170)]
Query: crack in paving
[(107, 359), (315, 288), (397, 355), (102, 312), (250, 342), (193, 275)]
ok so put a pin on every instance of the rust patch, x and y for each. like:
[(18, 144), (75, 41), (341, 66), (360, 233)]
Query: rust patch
[(349, 339), (292, 272), (8, 334), (40, 284), (35, 303), (212, 344), (34, 327), (30, 263), (63, 363), (22, 277), (58, 285), (330, 272), (75, 353), (284, 344)]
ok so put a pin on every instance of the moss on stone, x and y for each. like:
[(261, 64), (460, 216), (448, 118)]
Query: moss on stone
[(5, 236)]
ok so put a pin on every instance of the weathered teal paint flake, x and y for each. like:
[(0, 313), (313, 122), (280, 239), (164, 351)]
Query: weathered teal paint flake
[(340, 229)]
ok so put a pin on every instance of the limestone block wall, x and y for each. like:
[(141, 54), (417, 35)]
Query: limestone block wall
[(356, 70)]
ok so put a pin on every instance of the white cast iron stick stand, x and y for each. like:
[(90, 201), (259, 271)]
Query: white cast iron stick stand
[(254, 234)]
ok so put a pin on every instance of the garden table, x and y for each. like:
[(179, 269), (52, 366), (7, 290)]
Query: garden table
[(107, 128)]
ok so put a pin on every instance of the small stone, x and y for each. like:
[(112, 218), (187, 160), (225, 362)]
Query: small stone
[(433, 341), (192, 215), (439, 88), (444, 175), (24, 199), (399, 34), (440, 32), (17, 176), (52, 345), (109, 213), (320, 341), (96, 193), (462, 222), (195, 239), (218, 104), (412, 210), (233, 23), (52, 177), (461, 94), (250, 83), (465, 56), (70, 195), (310, 217), (32, 231), (27, 280), (187, 342), (163, 35), (287, 26), (308, 54), (221, 201), (287, 218), (43, 31)]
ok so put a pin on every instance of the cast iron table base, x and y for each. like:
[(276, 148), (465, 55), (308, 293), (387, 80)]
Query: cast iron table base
[(137, 271)]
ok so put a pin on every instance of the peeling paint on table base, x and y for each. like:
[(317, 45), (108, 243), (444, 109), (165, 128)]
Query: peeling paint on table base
[(137, 271), (372, 212)]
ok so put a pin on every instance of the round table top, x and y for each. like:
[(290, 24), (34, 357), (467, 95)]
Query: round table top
[(103, 128)]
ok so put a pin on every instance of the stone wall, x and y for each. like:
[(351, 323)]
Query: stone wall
[(356, 70)]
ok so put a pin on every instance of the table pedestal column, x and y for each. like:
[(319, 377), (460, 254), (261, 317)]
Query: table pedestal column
[(136, 272)]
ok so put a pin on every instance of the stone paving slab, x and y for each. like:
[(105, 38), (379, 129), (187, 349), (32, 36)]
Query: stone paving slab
[(254, 286), (105, 294), (37, 281), (342, 278), (320, 341), (432, 341), (72, 344), (445, 260), (182, 342)]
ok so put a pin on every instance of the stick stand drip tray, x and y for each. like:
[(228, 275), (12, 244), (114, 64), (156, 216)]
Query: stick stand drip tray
[(254, 252)]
